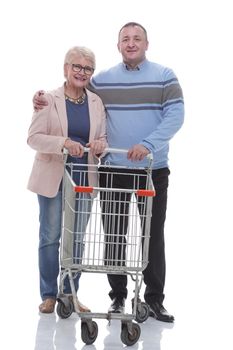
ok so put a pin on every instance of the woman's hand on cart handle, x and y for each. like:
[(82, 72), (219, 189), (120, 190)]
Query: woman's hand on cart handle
[(96, 147), (74, 148)]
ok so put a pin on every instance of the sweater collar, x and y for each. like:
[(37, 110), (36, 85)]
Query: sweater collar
[(138, 67)]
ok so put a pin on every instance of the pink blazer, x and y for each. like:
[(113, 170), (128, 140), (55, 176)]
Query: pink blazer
[(47, 134)]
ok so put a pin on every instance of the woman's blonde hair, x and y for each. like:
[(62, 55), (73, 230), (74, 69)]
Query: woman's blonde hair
[(80, 51)]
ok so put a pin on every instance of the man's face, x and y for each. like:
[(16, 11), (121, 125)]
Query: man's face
[(132, 44)]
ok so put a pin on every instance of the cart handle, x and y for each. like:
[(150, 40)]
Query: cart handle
[(122, 150), (149, 156), (111, 150)]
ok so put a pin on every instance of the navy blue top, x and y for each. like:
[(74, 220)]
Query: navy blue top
[(78, 130)]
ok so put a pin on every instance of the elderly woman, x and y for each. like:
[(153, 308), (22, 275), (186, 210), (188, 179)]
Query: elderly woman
[(73, 119)]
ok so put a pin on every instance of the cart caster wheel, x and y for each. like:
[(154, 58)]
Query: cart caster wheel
[(142, 312), (64, 310), (130, 339), (87, 336)]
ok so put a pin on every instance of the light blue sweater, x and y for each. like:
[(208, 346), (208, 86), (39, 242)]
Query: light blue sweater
[(143, 106)]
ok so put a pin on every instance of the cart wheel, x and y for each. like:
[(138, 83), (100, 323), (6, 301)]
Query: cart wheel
[(87, 336), (142, 312), (130, 339), (64, 311)]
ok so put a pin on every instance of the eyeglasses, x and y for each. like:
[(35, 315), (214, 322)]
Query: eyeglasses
[(78, 68)]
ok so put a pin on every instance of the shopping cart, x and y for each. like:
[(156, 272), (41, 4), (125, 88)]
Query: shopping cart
[(105, 230)]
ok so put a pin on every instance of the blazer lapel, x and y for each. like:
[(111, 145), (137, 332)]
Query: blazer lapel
[(61, 109), (91, 106)]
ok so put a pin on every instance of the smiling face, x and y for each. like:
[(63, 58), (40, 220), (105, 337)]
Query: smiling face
[(78, 71), (132, 44)]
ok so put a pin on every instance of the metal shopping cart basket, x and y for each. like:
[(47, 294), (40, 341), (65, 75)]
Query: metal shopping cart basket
[(105, 229)]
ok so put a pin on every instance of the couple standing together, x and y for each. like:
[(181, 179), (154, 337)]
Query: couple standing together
[(135, 105)]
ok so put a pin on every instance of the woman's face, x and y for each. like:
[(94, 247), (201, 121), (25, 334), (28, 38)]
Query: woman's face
[(78, 72)]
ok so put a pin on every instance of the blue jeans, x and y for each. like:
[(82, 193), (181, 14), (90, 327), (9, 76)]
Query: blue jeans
[(50, 217)]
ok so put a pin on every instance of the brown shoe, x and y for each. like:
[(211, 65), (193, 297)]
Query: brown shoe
[(82, 308), (48, 305)]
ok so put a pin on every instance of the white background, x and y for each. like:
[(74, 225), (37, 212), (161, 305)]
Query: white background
[(194, 38)]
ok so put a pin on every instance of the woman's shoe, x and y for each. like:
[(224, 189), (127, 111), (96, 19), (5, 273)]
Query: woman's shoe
[(82, 308), (47, 306)]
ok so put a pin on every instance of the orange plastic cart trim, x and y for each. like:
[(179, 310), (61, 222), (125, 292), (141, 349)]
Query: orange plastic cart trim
[(83, 189), (146, 193)]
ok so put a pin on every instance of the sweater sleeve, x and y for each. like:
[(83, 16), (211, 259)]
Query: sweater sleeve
[(172, 114)]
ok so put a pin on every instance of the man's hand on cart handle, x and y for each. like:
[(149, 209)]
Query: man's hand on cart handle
[(75, 149), (137, 152)]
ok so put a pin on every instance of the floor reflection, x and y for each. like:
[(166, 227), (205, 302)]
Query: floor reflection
[(54, 333), (152, 332), (151, 335)]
